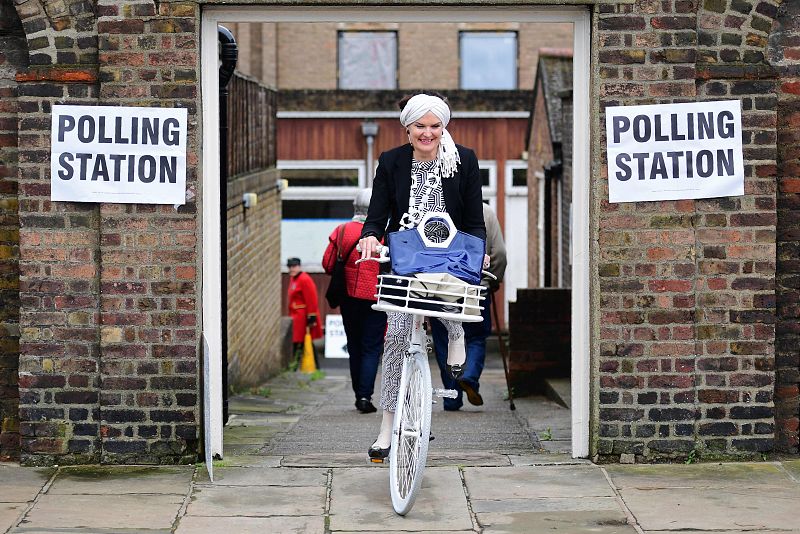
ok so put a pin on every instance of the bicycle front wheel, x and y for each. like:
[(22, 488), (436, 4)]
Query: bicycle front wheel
[(412, 429)]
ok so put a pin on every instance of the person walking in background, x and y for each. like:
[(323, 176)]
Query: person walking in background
[(364, 326), (303, 305), (475, 334)]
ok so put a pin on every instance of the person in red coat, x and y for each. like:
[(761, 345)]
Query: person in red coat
[(303, 305), (363, 326)]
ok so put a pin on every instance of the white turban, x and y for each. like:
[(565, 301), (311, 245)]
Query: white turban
[(415, 109)]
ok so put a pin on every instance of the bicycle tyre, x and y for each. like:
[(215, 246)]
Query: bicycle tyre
[(412, 428)]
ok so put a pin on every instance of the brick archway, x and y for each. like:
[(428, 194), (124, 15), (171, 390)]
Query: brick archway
[(681, 364)]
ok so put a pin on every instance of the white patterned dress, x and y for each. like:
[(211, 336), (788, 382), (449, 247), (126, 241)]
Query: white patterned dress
[(425, 196)]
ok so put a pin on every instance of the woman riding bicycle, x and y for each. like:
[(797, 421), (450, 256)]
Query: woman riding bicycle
[(429, 174)]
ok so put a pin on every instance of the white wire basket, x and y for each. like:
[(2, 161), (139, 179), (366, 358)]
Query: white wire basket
[(423, 295)]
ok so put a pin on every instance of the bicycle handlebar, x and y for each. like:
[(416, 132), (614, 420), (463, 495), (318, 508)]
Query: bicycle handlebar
[(383, 254)]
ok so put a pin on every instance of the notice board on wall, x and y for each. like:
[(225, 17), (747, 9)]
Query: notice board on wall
[(118, 154), (675, 151)]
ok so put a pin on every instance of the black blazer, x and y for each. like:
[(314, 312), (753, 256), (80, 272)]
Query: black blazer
[(392, 185)]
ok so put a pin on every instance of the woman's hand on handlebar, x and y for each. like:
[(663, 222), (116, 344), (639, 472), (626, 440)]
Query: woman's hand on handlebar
[(368, 246)]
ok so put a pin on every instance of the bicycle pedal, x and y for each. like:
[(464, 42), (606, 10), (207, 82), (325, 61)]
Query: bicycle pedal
[(441, 392)]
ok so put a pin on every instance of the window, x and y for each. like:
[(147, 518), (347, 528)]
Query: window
[(519, 176), (321, 177), (367, 60), (318, 196), (488, 60)]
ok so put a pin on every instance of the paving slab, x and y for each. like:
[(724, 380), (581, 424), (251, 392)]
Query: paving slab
[(109, 512), (247, 460), (21, 484), (769, 531), (556, 523), (259, 419), (793, 467), (360, 501), (546, 459), (471, 531), (466, 458), (252, 525), (334, 459), (257, 501), (115, 530), (690, 508), (264, 476), (527, 482), (119, 480), (557, 446), (716, 475), (9, 513), (241, 449), (546, 504)]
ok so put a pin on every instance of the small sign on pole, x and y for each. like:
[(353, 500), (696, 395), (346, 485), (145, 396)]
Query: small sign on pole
[(675, 151), (335, 338), (131, 155)]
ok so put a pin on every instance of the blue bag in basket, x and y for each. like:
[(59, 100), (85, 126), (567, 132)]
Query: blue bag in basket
[(459, 254)]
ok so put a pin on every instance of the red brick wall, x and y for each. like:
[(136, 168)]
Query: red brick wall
[(59, 286), (108, 367), (688, 287)]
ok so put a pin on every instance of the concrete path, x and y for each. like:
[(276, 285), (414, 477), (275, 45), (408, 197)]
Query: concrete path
[(295, 463)]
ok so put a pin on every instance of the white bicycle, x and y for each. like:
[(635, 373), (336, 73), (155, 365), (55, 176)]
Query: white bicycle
[(452, 300)]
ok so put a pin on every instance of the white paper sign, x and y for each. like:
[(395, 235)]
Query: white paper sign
[(675, 151), (335, 338), (129, 155)]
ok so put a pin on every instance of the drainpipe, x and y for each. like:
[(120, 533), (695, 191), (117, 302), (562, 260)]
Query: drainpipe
[(228, 55), (370, 129)]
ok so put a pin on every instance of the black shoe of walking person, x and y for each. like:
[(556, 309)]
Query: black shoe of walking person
[(365, 405)]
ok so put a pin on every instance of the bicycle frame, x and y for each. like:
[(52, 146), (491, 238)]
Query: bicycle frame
[(453, 300)]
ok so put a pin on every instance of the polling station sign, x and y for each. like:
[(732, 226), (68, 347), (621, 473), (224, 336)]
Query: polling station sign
[(675, 151), (335, 337), (130, 155)]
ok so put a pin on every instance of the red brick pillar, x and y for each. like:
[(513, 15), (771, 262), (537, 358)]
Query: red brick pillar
[(786, 55), (149, 406), (13, 56), (59, 269), (687, 288)]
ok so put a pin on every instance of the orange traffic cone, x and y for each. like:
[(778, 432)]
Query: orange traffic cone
[(307, 364)]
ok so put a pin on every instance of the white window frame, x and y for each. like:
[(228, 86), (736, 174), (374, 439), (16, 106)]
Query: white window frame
[(489, 192), (511, 189), (323, 192), (583, 119)]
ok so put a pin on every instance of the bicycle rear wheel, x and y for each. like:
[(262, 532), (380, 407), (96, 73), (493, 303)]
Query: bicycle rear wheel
[(412, 429)]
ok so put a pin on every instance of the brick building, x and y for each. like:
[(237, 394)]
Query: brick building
[(693, 329), (358, 74)]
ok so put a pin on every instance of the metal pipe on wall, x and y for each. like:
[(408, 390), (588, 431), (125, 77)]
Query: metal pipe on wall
[(228, 56), (369, 129)]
